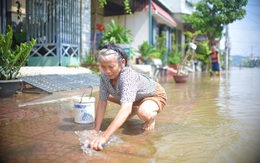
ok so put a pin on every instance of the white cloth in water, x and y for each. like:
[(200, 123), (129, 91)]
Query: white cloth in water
[(84, 137)]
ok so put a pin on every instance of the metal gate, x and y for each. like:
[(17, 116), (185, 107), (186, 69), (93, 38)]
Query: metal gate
[(56, 26)]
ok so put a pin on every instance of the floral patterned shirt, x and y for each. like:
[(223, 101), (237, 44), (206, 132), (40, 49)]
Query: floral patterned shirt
[(131, 86)]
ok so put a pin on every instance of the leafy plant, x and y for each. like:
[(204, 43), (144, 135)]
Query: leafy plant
[(90, 59), (102, 3), (148, 51), (117, 34), (127, 8), (175, 55), (189, 54), (11, 60), (160, 44), (19, 37), (187, 58), (202, 52)]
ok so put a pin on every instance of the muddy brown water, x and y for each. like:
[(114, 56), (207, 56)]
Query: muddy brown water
[(204, 121)]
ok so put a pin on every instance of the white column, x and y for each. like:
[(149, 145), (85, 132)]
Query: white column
[(85, 27)]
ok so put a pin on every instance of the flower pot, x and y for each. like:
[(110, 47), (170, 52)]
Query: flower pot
[(147, 62), (175, 66), (8, 87), (172, 69), (181, 78)]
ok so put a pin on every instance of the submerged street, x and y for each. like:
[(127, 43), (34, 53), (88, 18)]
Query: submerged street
[(203, 121)]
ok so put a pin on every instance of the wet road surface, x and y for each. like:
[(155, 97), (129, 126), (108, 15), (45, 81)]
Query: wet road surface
[(203, 121)]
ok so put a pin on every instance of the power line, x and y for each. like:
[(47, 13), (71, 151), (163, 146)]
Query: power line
[(245, 28), (244, 42), (254, 5), (255, 13), (253, 20)]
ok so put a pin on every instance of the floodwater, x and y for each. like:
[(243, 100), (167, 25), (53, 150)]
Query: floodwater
[(204, 121)]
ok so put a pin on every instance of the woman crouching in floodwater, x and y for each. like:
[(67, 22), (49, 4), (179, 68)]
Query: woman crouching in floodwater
[(136, 94)]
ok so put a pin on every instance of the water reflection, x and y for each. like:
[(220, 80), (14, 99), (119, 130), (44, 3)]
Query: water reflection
[(239, 96), (210, 121), (205, 121)]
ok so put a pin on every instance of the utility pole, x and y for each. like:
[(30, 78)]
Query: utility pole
[(252, 54), (227, 48), (150, 23)]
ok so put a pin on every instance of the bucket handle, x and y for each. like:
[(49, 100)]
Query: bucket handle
[(85, 93)]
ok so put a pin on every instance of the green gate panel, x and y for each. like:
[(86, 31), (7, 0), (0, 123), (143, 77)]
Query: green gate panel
[(53, 61)]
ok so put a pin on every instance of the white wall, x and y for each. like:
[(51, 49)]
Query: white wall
[(138, 23)]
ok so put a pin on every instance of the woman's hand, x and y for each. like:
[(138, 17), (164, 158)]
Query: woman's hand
[(93, 131), (97, 143)]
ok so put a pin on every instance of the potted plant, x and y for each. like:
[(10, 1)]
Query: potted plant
[(117, 34), (182, 75), (174, 57), (173, 62), (160, 45), (148, 52), (11, 61), (91, 63)]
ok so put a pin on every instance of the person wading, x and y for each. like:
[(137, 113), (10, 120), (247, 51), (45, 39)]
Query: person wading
[(214, 58)]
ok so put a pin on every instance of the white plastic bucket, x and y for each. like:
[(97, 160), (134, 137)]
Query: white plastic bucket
[(84, 109)]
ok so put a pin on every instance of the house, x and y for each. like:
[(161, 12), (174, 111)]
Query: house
[(65, 30), (61, 28), (138, 21), (179, 8)]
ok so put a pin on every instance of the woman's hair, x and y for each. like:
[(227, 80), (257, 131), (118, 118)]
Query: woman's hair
[(112, 48)]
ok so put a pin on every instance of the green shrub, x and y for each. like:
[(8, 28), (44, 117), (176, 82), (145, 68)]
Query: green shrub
[(11, 60)]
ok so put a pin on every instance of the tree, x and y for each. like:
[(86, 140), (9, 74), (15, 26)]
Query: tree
[(211, 16)]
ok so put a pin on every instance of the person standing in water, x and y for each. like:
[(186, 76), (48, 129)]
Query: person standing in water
[(214, 58), (136, 94)]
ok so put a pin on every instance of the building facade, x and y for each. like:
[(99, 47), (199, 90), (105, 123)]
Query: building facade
[(61, 28), (65, 29)]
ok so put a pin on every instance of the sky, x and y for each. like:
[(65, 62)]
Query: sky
[(245, 33)]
